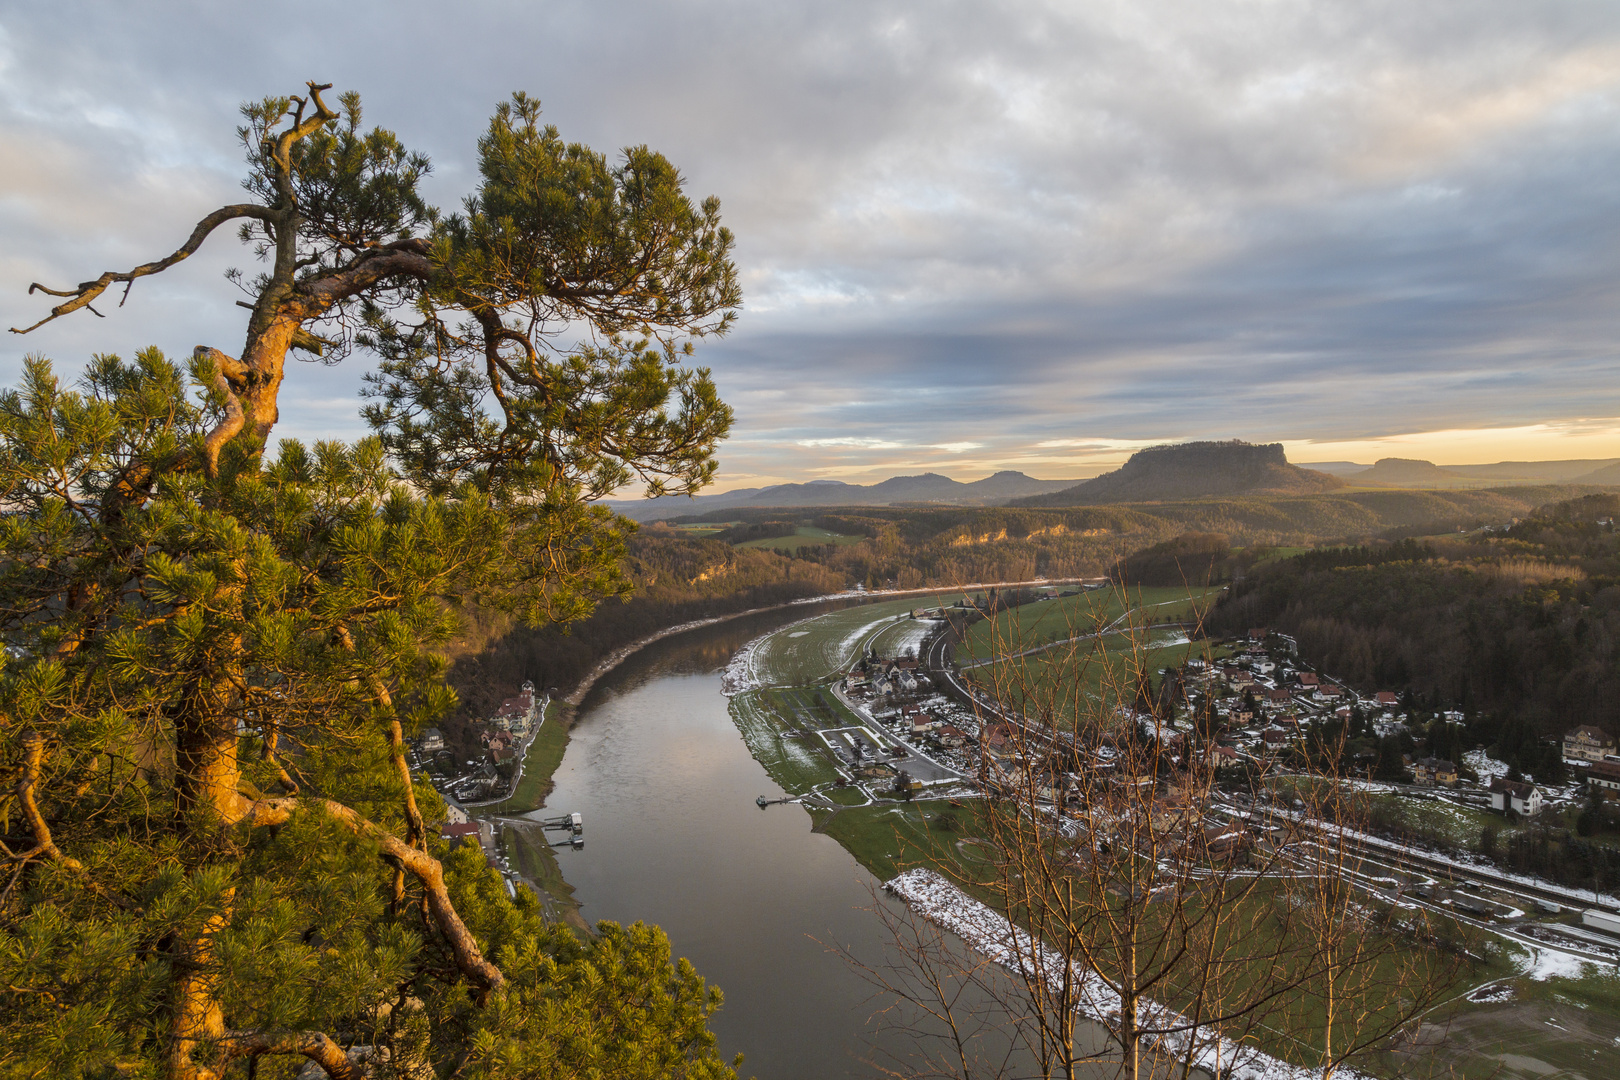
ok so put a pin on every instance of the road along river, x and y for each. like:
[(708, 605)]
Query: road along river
[(752, 897), (673, 837)]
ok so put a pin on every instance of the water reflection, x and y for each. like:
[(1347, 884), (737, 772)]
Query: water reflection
[(667, 790)]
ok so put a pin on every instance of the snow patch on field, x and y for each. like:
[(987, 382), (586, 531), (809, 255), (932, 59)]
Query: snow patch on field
[(1486, 766), (739, 674), (909, 637), (845, 649), (1552, 964), (936, 899)]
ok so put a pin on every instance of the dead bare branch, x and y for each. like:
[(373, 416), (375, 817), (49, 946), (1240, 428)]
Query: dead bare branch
[(87, 291)]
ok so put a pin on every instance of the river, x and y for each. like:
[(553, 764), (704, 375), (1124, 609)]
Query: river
[(752, 897), (673, 837)]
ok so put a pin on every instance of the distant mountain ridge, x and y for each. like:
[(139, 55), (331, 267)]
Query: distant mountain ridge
[(1194, 470), (1403, 472), (1418, 473), (1609, 474), (927, 488)]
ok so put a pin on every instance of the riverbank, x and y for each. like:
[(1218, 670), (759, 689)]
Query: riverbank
[(863, 834), (540, 760), (544, 756)]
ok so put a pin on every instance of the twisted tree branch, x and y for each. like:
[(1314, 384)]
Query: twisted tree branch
[(469, 958), (87, 291), (44, 844), (227, 372), (317, 1046)]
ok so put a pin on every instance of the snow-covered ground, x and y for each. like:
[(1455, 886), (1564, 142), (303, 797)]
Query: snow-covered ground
[(1486, 766), (907, 638), (936, 899), (1553, 964)]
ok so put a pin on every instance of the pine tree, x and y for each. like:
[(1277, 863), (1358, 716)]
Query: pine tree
[(216, 858)]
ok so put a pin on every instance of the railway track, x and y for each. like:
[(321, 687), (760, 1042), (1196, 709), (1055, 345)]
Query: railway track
[(938, 652)]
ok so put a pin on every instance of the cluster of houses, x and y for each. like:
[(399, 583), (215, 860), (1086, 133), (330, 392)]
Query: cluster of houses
[(881, 680), (1595, 749), (922, 723), (1266, 703), (1269, 701), (502, 741)]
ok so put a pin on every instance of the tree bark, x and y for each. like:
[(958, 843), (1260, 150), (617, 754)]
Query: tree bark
[(469, 957), (199, 1022)]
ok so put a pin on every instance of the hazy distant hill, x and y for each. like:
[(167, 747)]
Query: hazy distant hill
[(1193, 471), (1335, 468), (1609, 474), (1404, 472), (993, 490), (1570, 471)]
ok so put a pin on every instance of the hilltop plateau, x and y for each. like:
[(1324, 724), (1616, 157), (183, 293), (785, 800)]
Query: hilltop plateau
[(1193, 471), (1404, 472)]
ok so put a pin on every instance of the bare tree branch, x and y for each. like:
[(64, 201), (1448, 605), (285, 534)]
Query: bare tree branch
[(87, 291)]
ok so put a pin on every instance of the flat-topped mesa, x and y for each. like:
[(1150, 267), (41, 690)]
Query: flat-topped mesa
[(1399, 472), (1195, 470)]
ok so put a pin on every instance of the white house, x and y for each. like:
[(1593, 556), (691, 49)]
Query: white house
[(1521, 798)]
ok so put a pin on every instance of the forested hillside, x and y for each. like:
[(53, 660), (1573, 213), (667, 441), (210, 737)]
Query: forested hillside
[(680, 578), (677, 580), (945, 546), (1522, 622)]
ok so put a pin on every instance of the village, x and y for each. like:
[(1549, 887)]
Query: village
[(503, 738)]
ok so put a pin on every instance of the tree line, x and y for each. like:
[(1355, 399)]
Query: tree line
[(1520, 624)]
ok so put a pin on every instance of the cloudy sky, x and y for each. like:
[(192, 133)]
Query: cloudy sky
[(972, 235)]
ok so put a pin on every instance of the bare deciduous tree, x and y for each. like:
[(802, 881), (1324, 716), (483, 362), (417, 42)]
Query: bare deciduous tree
[(1156, 887)]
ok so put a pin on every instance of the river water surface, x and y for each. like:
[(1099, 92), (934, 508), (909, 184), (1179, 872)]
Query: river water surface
[(752, 897), (673, 836)]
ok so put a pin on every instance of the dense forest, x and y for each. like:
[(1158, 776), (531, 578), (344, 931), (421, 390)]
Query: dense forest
[(677, 580), (1521, 623)]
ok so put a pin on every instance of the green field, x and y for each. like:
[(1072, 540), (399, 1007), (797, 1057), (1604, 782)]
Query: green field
[(1460, 825), (700, 529), (764, 716), (811, 652), (803, 536), (1102, 669), (1030, 626), (887, 839), (1549, 1029), (545, 754)]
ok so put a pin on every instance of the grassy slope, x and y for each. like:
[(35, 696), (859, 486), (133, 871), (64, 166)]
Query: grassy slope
[(536, 861), (1032, 625), (803, 536), (811, 652), (545, 754), (888, 839), (1113, 661)]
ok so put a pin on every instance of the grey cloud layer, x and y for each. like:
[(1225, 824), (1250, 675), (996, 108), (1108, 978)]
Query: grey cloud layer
[(992, 224)]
